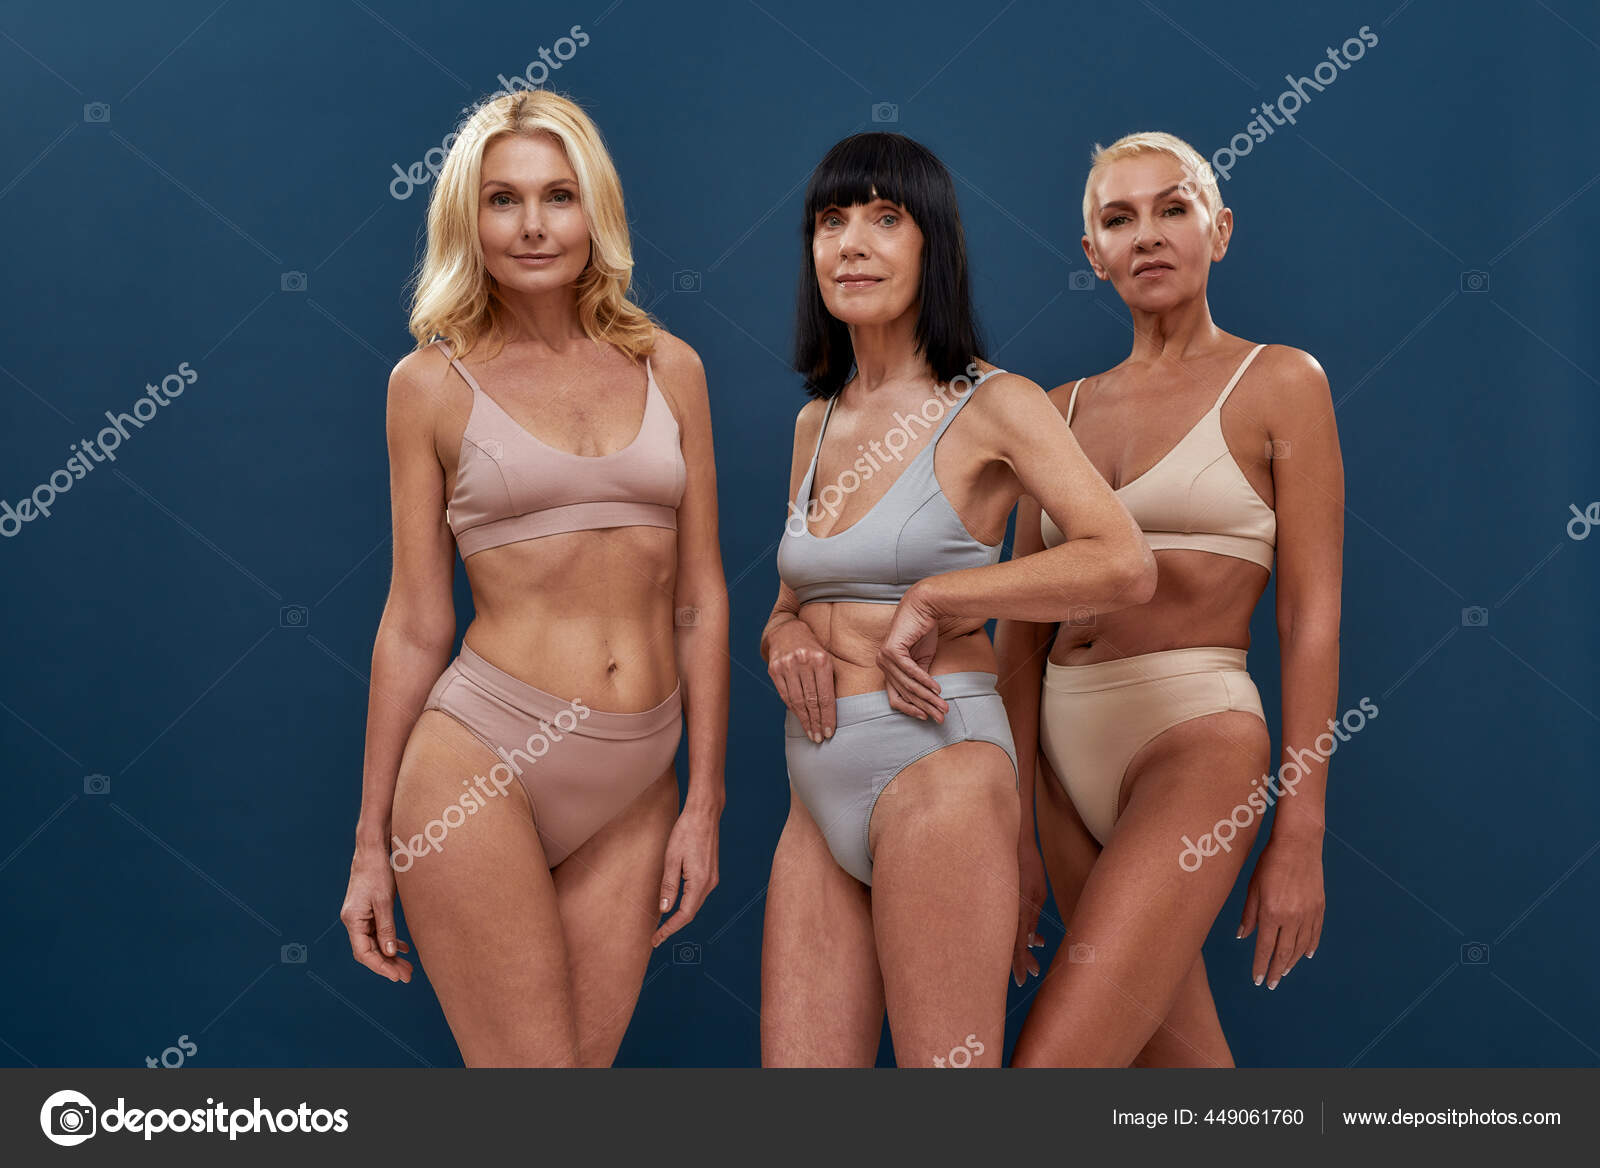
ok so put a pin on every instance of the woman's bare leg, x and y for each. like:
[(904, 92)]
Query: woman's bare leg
[(821, 992), (482, 912), (607, 892), (1143, 918), (1190, 1035), (944, 900)]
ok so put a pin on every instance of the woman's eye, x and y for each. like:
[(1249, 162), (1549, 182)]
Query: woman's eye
[(888, 215), (1114, 220), (564, 196), (1179, 208)]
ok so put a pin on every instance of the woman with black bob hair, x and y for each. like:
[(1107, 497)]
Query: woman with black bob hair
[(877, 646)]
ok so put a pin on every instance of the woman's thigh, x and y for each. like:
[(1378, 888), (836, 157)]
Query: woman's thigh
[(1141, 917), (1191, 1034), (608, 894), (482, 908), (944, 892), (821, 991)]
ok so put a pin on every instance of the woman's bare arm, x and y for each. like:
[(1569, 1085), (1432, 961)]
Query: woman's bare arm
[(1104, 564), (417, 629)]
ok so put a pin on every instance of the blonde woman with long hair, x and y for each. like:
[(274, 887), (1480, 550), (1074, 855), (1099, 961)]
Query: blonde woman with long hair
[(1149, 733), (522, 798)]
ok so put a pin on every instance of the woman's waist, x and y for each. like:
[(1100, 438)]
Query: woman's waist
[(855, 669), (611, 665)]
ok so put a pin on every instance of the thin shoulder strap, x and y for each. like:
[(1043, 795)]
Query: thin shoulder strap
[(1073, 400), (951, 412), (444, 347), (811, 469), (1245, 364)]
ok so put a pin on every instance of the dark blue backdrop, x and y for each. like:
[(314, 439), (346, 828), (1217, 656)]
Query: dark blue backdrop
[(194, 622)]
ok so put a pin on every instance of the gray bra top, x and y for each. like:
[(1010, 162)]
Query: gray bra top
[(909, 533)]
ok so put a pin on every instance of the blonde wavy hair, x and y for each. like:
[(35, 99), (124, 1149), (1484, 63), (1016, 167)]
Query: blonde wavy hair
[(455, 296), (1198, 174)]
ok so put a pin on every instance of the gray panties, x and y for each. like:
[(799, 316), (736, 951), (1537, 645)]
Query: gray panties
[(840, 778)]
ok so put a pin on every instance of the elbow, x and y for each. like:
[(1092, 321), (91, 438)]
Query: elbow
[(1137, 584)]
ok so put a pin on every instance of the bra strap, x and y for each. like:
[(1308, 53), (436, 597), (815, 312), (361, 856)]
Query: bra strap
[(1073, 400), (444, 347), (1245, 364)]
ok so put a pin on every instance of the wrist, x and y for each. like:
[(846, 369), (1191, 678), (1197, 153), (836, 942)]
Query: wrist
[(927, 594), (1297, 831), (372, 837), (702, 800)]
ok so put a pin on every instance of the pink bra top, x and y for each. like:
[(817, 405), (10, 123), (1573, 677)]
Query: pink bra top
[(1196, 497), (510, 486)]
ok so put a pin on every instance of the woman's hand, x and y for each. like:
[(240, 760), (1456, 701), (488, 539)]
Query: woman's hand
[(1032, 888), (803, 672), (907, 651), (368, 915), (691, 864), (1286, 899)]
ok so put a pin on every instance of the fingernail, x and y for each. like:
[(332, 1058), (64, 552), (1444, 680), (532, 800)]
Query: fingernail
[(665, 904), (1258, 980), (1239, 934), (1273, 984), (1313, 953), (390, 948), (828, 733), (815, 737)]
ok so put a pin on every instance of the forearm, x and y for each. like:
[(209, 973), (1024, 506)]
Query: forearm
[(702, 651), (404, 669), (1075, 579), (1021, 649), (1310, 673)]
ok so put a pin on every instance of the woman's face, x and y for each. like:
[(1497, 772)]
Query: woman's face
[(528, 207), (1150, 233), (868, 260)]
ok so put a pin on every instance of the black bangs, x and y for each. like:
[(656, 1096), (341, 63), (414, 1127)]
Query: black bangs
[(857, 170), (865, 167)]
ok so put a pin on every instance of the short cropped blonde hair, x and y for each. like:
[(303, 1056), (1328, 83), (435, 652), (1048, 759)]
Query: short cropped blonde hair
[(1197, 171)]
